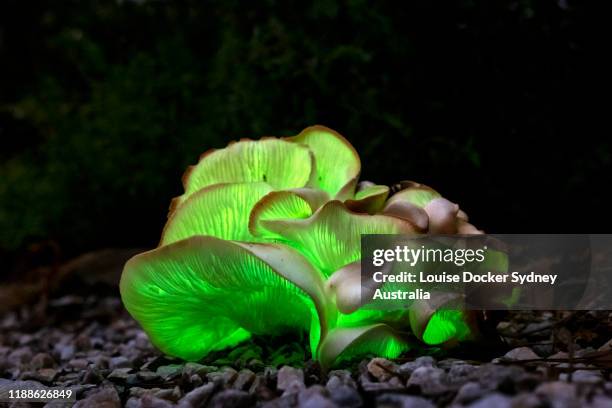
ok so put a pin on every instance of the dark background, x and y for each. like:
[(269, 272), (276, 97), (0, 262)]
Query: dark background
[(103, 105)]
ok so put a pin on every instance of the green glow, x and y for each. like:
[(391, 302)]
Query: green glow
[(278, 205), (204, 294), (370, 199), (337, 162), (370, 191), (349, 343), (446, 325), (513, 298), (331, 238), (364, 317), (279, 163), (266, 239), (419, 196), (385, 346), (220, 211)]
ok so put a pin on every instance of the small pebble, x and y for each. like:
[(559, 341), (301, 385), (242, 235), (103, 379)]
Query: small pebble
[(402, 401), (290, 377), (337, 378), (78, 363), (317, 401), (194, 368), (66, 352), (119, 374), (406, 369), (460, 373), (527, 400), (19, 357), (583, 376), (120, 362), (382, 369), (148, 401), (42, 360), (468, 393), (169, 371), (346, 396), (46, 375), (92, 376), (244, 379), (148, 376), (521, 353), (493, 400), (223, 378), (105, 397), (430, 380), (231, 398)]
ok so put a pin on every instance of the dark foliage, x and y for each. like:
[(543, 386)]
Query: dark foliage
[(103, 104)]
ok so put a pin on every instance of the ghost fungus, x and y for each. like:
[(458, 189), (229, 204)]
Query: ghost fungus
[(368, 198), (337, 163), (265, 239), (331, 237), (277, 162), (203, 294), (345, 343), (284, 205), (220, 210), (428, 210)]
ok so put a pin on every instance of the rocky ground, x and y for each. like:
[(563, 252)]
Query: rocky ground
[(92, 346)]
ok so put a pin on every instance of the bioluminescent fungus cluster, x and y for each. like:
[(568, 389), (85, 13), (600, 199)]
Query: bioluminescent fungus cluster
[(266, 240)]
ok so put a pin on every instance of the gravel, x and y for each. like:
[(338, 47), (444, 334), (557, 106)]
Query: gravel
[(91, 345)]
